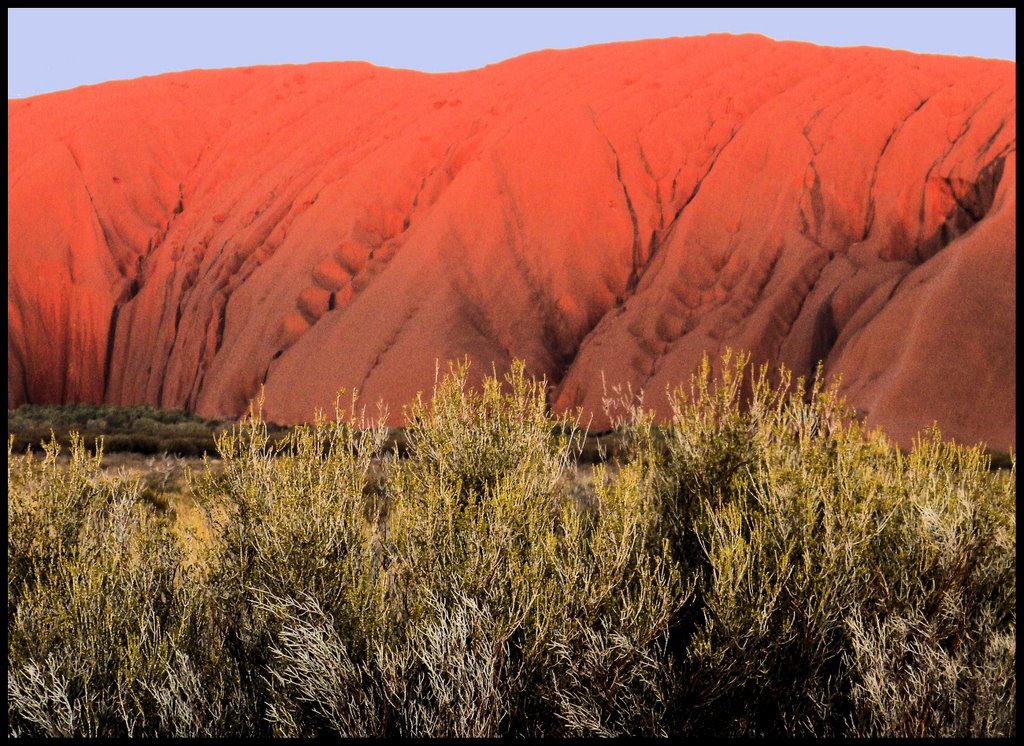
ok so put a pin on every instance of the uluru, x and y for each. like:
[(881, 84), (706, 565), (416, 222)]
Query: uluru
[(608, 214)]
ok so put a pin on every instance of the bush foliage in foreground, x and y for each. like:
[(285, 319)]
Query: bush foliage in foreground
[(757, 566)]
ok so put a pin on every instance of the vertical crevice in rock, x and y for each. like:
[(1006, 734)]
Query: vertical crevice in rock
[(221, 320), (869, 214), (634, 270), (823, 335), (634, 273), (109, 354)]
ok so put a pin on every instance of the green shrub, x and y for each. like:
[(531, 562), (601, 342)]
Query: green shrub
[(106, 624), (47, 506), (462, 599), (473, 438), (759, 565), (807, 529)]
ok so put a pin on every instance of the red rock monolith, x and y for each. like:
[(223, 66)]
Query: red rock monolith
[(608, 214)]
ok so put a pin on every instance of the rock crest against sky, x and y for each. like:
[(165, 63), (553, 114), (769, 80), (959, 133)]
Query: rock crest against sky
[(606, 213)]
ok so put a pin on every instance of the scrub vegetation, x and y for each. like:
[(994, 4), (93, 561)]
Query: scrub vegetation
[(146, 430), (760, 565)]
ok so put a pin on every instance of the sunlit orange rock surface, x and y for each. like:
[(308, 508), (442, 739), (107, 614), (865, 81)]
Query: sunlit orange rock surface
[(606, 213)]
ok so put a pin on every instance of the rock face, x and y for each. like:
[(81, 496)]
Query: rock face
[(606, 213)]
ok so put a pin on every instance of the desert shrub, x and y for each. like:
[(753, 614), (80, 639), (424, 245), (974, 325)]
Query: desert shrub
[(573, 600), (475, 437), (571, 596), (103, 616), (47, 505), (759, 565), (936, 656), (471, 596), (911, 682), (817, 543), (290, 521)]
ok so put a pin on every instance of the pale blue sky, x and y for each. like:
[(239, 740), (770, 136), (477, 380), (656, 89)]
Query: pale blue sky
[(53, 49)]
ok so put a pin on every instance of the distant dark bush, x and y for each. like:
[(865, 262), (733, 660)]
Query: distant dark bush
[(145, 430)]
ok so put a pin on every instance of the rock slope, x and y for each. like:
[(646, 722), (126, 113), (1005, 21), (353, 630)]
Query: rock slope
[(606, 213)]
